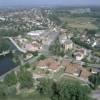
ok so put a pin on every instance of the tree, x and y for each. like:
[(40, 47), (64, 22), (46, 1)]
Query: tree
[(91, 32), (57, 48), (42, 57), (65, 24), (81, 43), (55, 19), (12, 91), (95, 80), (45, 87), (16, 58), (3, 45), (72, 90), (27, 65), (10, 79), (25, 79), (35, 53), (33, 67), (63, 90), (3, 91)]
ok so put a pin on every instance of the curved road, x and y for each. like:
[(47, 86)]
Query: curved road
[(15, 44)]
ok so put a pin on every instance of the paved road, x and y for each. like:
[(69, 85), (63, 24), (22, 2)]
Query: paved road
[(15, 44), (96, 94), (20, 49), (52, 37), (32, 60)]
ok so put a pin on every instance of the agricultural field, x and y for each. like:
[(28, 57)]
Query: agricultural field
[(79, 22)]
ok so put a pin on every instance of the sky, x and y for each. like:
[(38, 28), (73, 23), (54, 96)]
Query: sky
[(9, 3)]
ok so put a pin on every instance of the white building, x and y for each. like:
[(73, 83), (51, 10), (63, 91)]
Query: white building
[(80, 54), (36, 33)]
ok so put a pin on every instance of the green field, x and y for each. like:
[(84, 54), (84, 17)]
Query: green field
[(32, 96), (80, 22)]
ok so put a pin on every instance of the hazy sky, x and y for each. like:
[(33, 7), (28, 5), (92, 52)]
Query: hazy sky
[(48, 2)]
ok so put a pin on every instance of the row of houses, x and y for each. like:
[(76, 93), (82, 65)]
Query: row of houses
[(72, 68)]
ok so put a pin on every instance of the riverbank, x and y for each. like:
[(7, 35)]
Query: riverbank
[(5, 53), (6, 61)]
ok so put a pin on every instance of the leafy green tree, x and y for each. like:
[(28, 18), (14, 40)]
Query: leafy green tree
[(10, 79), (95, 80), (3, 45), (72, 90), (65, 24), (55, 19), (35, 53), (16, 58), (42, 57), (34, 67), (27, 65), (79, 42), (12, 91), (45, 87), (57, 48), (63, 90), (3, 91), (25, 79), (91, 32)]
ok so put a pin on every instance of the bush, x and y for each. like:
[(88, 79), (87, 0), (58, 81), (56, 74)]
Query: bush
[(79, 42), (27, 65), (12, 91), (34, 67), (25, 79), (3, 91), (95, 80), (10, 79), (42, 57), (35, 53), (63, 90)]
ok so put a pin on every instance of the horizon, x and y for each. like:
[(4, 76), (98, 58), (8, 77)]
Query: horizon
[(27, 3)]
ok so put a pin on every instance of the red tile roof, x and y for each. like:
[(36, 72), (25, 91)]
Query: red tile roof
[(51, 63), (73, 68)]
